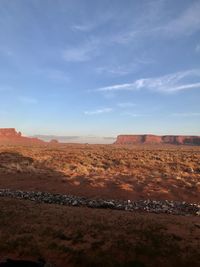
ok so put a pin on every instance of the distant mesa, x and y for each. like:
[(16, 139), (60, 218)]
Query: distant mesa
[(54, 141), (156, 139), (11, 136)]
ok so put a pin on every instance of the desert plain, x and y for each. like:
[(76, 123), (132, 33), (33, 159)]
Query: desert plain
[(81, 236)]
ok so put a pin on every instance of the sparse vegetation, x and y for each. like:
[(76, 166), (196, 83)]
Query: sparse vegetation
[(156, 172), (68, 236), (71, 236)]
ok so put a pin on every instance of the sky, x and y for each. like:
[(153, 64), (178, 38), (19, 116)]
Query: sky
[(100, 68)]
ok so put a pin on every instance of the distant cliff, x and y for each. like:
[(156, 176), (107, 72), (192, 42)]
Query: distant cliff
[(155, 139), (11, 136)]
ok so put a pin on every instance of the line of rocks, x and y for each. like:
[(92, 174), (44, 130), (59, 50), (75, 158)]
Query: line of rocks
[(155, 206)]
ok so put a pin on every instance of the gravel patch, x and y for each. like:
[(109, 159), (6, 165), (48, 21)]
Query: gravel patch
[(154, 206)]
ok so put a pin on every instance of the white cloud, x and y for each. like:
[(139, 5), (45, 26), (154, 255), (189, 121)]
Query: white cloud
[(98, 111), (134, 115), (184, 24), (189, 114), (124, 69), (81, 53), (184, 87), (93, 22), (126, 105), (165, 84), (116, 87), (187, 23), (115, 70), (28, 100), (197, 48), (83, 27)]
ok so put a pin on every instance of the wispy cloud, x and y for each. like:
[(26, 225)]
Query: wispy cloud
[(87, 25), (126, 105), (54, 74), (187, 23), (189, 114), (174, 82), (115, 70), (124, 69), (134, 115), (28, 100), (184, 24), (81, 53), (98, 111), (197, 48), (83, 27)]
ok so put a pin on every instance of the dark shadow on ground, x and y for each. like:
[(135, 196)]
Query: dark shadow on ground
[(19, 172)]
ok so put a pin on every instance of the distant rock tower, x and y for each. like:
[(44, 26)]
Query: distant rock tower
[(54, 141), (8, 132)]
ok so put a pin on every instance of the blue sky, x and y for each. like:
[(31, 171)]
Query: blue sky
[(103, 67)]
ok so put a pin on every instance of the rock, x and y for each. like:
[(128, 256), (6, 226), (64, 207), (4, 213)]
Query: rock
[(155, 139), (11, 136), (54, 142), (165, 206), (75, 203), (198, 213), (197, 225)]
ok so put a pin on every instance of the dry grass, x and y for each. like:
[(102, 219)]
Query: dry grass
[(169, 172), (69, 236)]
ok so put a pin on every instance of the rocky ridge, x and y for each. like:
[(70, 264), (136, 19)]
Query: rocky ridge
[(156, 139), (154, 206), (11, 136)]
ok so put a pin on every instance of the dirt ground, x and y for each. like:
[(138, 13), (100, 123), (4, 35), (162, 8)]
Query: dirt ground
[(78, 236), (107, 171), (72, 236)]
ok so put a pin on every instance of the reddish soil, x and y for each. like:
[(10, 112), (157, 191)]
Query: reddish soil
[(72, 236), (107, 171)]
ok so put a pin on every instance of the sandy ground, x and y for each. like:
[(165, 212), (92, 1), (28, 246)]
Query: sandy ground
[(104, 171), (72, 236)]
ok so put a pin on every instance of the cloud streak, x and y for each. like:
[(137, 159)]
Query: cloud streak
[(184, 24), (174, 82), (82, 53), (197, 48), (126, 105), (134, 115), (187, 23), (98, 111), (83, 28), (189, 114)]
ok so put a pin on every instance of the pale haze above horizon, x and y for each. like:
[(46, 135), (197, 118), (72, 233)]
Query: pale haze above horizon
[(100, 68)]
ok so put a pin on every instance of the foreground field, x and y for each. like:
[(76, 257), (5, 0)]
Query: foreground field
[(80, 236), (107, 171), (72, 236)]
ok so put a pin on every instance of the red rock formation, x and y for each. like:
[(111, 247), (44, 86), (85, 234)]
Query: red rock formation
[(155, 139), (11, 136), (8, 132), (53, 141)]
